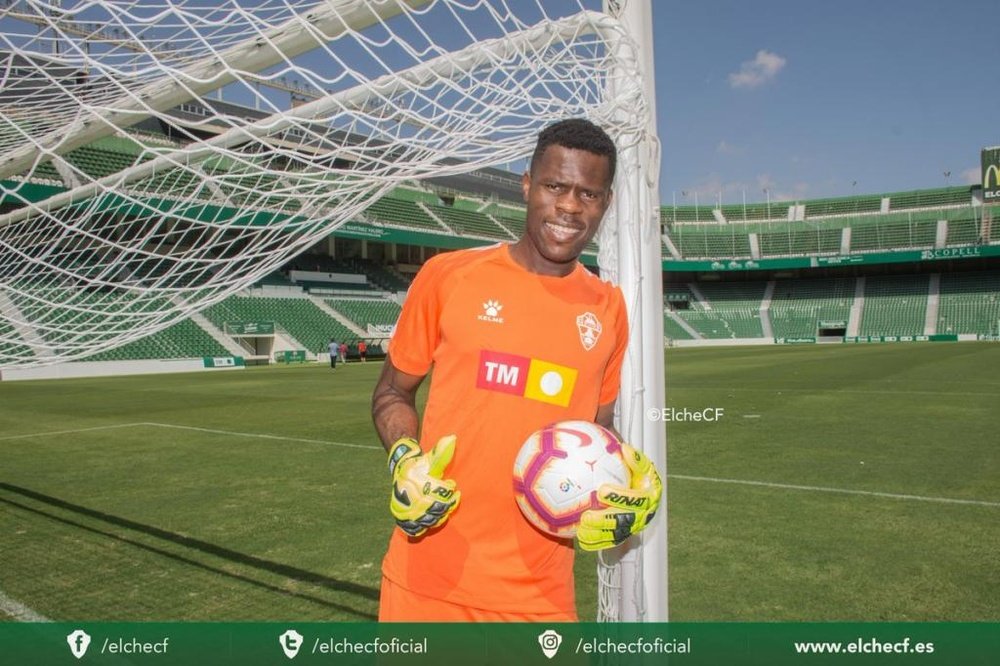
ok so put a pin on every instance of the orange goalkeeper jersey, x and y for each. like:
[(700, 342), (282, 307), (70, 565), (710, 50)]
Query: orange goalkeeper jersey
[(511, 351)]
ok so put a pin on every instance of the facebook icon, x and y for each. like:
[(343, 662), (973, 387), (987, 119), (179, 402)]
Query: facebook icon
[(78, 641)]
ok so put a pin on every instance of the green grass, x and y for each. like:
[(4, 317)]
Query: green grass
[(917, 420), (225, 495)]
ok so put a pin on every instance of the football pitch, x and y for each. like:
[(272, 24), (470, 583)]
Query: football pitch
[(853, 483)]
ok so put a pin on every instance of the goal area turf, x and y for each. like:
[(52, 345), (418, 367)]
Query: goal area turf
[(821, 483)]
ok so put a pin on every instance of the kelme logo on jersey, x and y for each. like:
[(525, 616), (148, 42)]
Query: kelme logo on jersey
[(531, 378), (491, 312)]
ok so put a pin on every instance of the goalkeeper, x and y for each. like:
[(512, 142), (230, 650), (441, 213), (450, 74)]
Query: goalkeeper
[(518, 336)]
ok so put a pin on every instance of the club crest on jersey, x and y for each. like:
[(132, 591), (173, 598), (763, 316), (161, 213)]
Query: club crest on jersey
[(589, 327), (491, 312)]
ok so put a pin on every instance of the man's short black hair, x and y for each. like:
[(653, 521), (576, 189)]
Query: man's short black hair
[(578, 134)]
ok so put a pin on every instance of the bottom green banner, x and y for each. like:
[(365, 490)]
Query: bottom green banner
[(160, 644)]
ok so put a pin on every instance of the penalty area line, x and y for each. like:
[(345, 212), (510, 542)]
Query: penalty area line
[(213, 431), (280, 438), (841, 491), (70, 432), (19, 611)]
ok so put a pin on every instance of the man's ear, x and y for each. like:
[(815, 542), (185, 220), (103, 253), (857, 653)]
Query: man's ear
[(525, 185)]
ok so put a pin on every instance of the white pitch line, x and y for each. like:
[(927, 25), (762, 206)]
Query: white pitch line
[(254, 435), (19, 611), (842, 491), (70, 432), (811, 389), (233, 433)]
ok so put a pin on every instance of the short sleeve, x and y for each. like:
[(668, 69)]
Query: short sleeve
[(417, 331), (612, 374)]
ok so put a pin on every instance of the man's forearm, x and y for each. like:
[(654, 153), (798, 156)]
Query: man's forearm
[(395, 416)]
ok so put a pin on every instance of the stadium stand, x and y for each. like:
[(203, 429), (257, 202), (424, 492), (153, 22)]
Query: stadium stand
[(10, 346), (467, 222), (791, 239), (732, 213), (673, 330), (730, 295), (724, 323), (366, 311), (386, 277), (797, 305), (895, 305), (184, 339), (400, 212), (711, 241), (894, 221), (964, 231), (843, 206), (969, 303), (893, 231), (932, 198), (511, 222), (305, 322)]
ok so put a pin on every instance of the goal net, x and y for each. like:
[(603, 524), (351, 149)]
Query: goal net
[(158, 156)]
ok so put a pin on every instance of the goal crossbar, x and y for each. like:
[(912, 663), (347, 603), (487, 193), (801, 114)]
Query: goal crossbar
[(354, 98)]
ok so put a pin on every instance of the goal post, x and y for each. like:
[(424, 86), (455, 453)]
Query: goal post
[(633, 578)]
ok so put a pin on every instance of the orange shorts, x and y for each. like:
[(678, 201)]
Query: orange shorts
[(397, 604)]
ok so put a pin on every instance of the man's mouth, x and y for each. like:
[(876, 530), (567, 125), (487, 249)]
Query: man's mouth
[(561, 232)]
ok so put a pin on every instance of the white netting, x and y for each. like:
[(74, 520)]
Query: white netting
[(157, 156)]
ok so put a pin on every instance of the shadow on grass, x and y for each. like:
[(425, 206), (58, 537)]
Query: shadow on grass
[(277, 568)]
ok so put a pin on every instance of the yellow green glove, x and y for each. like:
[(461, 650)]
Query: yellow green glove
[(421, 499), (629, 509)]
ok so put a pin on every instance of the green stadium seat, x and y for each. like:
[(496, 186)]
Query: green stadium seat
[(300, 317), (969, 303), (895, 305), (797, 305)]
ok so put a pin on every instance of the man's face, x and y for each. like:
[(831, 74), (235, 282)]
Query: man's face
[(567, 192)]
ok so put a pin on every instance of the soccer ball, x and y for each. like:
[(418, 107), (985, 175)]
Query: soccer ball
[(558, 471)]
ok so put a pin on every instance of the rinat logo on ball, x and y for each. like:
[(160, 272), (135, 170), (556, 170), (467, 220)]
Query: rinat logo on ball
[(558, 471)]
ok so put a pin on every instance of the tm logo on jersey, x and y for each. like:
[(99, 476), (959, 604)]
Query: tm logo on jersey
[(527, 377)]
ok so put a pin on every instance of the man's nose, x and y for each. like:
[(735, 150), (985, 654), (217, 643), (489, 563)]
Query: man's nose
[(569, 201)]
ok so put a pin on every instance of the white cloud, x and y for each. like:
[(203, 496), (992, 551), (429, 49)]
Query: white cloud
[(753, 73), (971, 175)]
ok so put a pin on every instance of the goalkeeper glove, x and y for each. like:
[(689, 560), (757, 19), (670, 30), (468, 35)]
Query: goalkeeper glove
[(630, 509), (420, 498)]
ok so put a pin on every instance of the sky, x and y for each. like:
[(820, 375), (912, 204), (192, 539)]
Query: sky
[(814, 99), (805, 99)]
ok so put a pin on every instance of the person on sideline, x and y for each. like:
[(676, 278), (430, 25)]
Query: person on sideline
[(333, 348)]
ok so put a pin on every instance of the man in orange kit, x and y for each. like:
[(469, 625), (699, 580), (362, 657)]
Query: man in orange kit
[(518, 336)]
